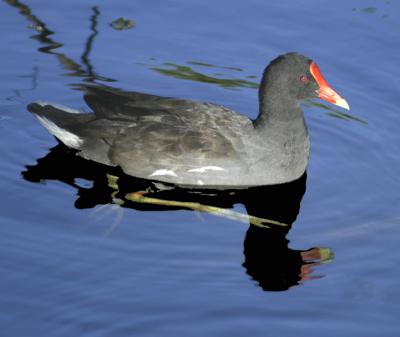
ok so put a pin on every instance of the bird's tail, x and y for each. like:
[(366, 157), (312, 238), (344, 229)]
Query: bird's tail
[(62, 122)]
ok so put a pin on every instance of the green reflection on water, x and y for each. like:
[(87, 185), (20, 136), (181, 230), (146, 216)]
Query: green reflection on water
[(186, 72), (203, 64)]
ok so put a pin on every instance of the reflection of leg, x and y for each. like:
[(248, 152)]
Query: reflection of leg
[(322, 255), (306, 271), (227, 213), (140, 197), (314, 257), (113, 184)]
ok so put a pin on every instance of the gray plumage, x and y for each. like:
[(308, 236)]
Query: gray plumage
[(193, 143)]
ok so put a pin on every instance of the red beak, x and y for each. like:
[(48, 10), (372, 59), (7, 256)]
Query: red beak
[(325, 91)]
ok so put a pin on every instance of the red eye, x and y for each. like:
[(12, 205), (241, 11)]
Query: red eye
[(304, 79)]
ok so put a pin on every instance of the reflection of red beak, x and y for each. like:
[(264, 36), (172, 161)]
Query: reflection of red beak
[(325, 91)]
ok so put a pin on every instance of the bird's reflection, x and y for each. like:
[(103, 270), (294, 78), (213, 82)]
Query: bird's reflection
[(267, 257)]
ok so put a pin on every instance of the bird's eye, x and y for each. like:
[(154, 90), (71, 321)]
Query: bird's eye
[(304, 79)]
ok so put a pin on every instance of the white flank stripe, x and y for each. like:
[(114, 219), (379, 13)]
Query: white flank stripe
[(206, 168), (163, 172), (68, 138)]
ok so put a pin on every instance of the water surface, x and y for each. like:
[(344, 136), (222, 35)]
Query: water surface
[(73, 263)]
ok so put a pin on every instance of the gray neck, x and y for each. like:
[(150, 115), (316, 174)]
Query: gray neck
[(281, 127), (278, 109), (281, 123)]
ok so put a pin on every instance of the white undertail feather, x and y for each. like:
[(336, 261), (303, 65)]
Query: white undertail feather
[(68, 138)]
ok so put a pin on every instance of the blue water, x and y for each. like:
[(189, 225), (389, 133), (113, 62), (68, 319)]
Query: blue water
[(74, 263)]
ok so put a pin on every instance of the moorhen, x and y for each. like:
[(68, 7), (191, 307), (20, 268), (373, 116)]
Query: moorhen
[(198, 144)]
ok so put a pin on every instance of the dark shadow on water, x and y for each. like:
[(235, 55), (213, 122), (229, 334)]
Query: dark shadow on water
[(267, 256)]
